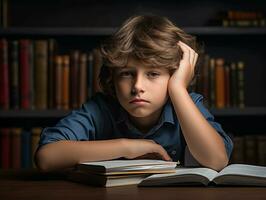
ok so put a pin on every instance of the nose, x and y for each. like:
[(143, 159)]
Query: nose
[(138, 84)]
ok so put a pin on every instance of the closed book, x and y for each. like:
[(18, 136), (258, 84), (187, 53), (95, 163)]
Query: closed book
[(41, 73), (4, 75), (14, 74), (90, 76), (240, 84), (26, 149), (74, 77), (65, 82), (82, 79), (250, 148), (15, 148), (212, 82), (52, 50), (105, 181), (261, 150), (227, 85), (25, 73), (118, 172), (5, 148), (220, 83), (58, 81), (233, 85), (118, 167), (238, 154)]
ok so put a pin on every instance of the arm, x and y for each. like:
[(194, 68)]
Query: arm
[(203, 141), (65, 154)]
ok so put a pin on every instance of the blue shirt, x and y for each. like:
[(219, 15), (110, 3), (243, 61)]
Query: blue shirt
[(103, 118)]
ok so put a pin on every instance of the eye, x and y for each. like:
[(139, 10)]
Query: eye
[(125, 74), (153, 74)]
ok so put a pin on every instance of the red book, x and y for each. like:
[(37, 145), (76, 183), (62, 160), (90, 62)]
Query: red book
[(5, 148), (24, 73), (4, 80)]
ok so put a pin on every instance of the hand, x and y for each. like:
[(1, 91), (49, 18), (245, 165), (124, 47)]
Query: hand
[(185, 71), (141, 148)]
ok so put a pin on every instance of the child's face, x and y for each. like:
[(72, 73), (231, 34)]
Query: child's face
[(137, 81)]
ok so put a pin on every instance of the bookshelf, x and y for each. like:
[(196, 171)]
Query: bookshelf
[(77, 24)]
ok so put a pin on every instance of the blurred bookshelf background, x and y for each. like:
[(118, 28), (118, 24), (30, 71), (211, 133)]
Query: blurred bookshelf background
[(49, 64)]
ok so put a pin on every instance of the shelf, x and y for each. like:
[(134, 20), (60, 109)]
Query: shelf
[(244, 112), (26, 114), (104, 31)]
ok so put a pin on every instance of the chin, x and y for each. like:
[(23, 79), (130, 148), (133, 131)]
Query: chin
[(139, 114)]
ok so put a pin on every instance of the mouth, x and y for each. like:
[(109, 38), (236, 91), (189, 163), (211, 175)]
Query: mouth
[(138, 101)]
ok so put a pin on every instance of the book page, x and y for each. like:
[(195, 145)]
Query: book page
[(206, 172), (129, 163), (243, 169)]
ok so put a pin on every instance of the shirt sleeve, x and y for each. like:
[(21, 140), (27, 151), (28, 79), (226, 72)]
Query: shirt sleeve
[(198, 100), (80, 125)]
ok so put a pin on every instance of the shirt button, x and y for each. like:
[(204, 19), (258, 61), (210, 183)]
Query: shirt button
[(173, 152)]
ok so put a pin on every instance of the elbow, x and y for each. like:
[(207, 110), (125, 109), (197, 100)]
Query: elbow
[(219, 162), (41, 161)]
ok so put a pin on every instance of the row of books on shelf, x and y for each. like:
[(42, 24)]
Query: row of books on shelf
[(239, 18), (34, 75), (249, 149), (18, 147), (222, 82)]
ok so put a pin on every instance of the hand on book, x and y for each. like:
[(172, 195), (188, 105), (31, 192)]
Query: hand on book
[(142, 148)]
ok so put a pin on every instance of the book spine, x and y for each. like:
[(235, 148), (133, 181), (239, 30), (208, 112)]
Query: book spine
[(233, 85), (25, 149), (4, 75), (41, 66), (14, 75), (52, 48), (5, 148), (82, 79), (16, 148), (58, 83), (74, 69), (24, 73), (240, 77), (227, 85), (90, 75), (65, 82), (220, 83), (212, 82)]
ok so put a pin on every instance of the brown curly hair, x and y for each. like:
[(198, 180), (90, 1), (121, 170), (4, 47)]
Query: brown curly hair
[(148, 38)]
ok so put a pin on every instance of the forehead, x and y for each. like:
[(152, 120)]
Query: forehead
[(135, 64)]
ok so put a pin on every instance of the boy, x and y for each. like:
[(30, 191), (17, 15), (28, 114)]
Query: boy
[(145, 110)]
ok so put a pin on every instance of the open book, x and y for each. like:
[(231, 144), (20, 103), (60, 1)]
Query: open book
[(234, 174), (162, 173)]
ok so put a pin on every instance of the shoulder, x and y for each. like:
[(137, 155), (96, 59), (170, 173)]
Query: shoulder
[(102, 103)]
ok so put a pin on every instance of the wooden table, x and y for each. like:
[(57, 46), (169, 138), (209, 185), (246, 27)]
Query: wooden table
[(30, 184)]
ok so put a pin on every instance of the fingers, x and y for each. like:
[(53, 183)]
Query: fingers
[(189, 53), (161, 151)]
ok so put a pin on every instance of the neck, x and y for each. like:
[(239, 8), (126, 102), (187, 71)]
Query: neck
[(144, 124)]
